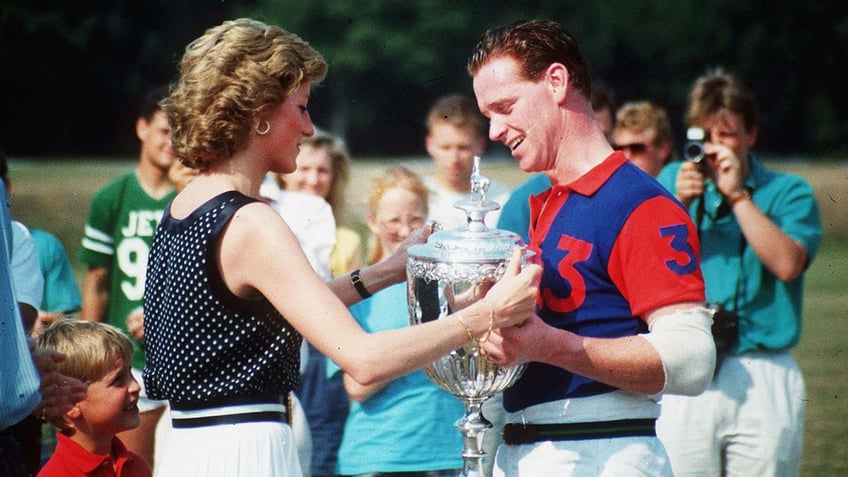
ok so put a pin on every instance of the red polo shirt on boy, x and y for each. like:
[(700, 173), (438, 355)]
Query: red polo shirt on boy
[(72, 460)]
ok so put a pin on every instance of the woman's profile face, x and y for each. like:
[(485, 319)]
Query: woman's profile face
[(289, 124)]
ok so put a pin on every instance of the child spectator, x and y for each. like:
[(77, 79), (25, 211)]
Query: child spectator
[(100, 355)]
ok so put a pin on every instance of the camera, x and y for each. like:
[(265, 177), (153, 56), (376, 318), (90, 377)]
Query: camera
[(725, 328), (725, 331), (693, 151)]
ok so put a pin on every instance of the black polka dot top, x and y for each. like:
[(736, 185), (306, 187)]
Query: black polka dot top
[(206, 347)]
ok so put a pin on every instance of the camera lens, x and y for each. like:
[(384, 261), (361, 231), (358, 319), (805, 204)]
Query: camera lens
[(694, 151)]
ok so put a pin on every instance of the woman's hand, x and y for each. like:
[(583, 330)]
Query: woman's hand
[(513, 297), (397, 261), (135, 324)]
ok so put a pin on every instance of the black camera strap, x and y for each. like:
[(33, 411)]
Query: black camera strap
[(725, 325), (743, 243)]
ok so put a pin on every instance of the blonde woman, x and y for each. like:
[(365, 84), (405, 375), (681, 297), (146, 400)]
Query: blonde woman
[(323, 169), (229, 292)]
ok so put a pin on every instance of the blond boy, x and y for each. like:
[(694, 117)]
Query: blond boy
[(100, 355)]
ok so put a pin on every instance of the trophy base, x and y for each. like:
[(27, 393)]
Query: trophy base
[(473, 427)]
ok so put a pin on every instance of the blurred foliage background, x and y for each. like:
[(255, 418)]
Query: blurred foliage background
[(72, 72)]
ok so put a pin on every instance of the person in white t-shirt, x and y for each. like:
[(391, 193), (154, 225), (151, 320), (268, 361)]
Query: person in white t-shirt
[(455, 134)]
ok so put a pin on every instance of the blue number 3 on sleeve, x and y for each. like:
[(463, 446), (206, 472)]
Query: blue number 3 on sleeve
[(679, 233)]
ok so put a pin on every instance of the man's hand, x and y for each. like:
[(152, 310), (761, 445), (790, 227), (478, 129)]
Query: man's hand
[(727, 167), (516, 345), (59, 393), (690, 182)]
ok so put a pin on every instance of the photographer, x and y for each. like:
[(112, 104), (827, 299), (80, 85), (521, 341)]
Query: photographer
[(759, 231)]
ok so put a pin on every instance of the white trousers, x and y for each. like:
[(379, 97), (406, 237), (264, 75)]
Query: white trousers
[(750, 421), (616, 457), (607, 457), (256, 449)]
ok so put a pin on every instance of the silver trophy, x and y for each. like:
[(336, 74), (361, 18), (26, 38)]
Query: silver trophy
[(454, 269)]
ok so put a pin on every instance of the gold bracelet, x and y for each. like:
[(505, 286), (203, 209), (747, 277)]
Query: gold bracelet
[(468, 331), (491, 322)]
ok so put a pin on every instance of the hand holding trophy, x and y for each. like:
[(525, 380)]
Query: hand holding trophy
[(454, 269)]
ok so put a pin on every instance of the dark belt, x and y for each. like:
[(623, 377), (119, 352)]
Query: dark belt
[(516, 434), (262, 416), (266, 398)]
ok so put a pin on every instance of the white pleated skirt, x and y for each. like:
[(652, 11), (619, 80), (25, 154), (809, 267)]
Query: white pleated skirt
[(261, 449)]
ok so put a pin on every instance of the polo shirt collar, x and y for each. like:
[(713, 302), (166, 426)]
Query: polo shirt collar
[(589, 183), (88, 462)]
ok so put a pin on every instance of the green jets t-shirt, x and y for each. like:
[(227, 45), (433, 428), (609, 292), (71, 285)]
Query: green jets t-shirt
[(122, 221)]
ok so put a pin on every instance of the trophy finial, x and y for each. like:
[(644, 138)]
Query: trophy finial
[(476, 206), (479, 183)]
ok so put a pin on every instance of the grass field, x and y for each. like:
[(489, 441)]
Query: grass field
[(54, 195)]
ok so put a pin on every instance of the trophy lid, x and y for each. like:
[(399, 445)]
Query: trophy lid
[(473, 241)]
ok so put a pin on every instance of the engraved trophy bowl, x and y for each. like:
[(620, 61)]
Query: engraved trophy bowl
[(454, 269)]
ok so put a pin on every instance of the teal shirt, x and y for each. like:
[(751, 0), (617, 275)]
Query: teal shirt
[(408, 425), (770, 309), (61, 292), (515, 216)]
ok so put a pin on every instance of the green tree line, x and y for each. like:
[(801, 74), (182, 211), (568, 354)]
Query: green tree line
[(72, 72)]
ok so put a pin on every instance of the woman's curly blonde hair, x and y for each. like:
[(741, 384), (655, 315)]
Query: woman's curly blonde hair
[(229, 77)]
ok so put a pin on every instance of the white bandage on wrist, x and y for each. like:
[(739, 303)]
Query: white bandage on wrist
[(685, 345)]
